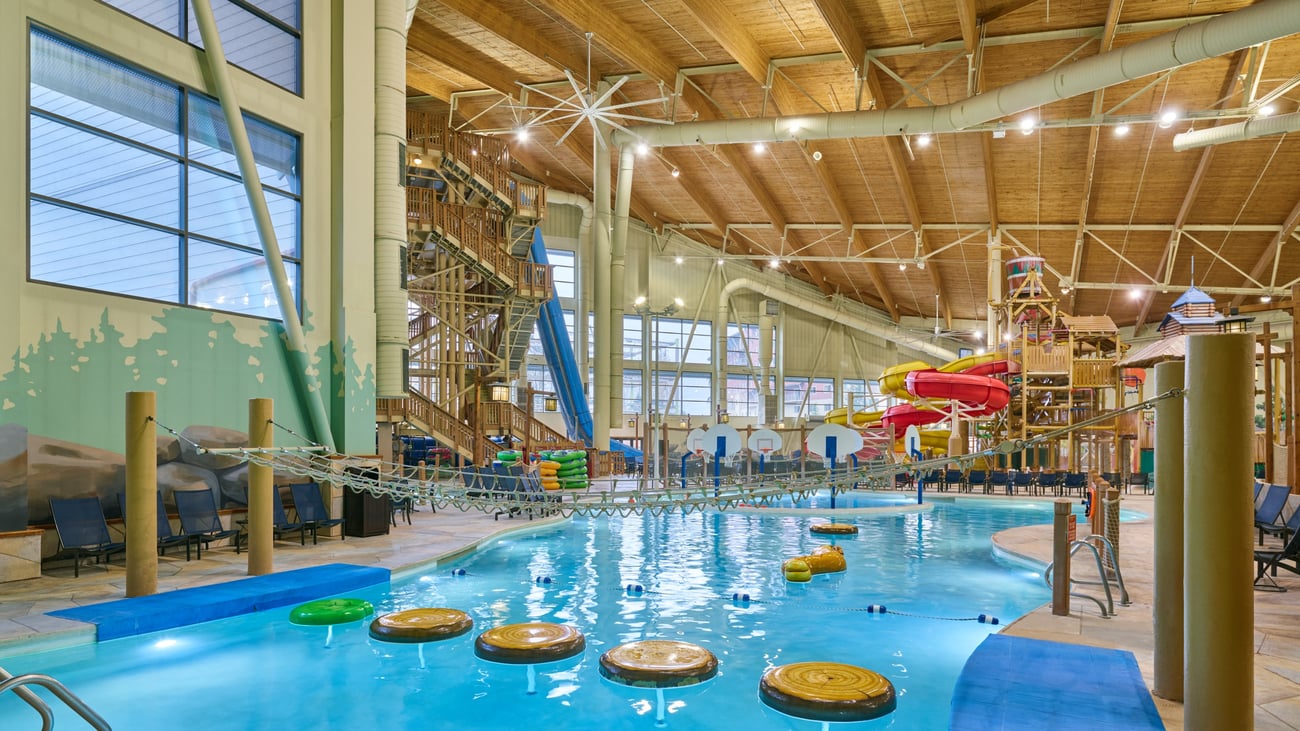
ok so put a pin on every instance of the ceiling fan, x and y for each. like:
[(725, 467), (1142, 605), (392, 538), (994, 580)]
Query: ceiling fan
[(938, 331)]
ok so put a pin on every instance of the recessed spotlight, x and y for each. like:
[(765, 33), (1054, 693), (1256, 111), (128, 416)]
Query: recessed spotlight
[(760, 148), (1267, 110), (923, 140), (676, 173), (817, 155), (1167, 119), (678, 260), (642, 148), (1122, 130), (774, 263)]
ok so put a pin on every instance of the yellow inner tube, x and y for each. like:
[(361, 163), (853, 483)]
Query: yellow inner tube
[(833, 529), (529, 642), (324, 612), (828, 691), (427, 624), (658, 664)]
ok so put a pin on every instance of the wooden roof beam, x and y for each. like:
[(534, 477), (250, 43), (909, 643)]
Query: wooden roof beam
[(511, 28), (1230, 85), (951, 32), (897, 163), (616, 36), (444, 48), (427, 83), (841, 25)]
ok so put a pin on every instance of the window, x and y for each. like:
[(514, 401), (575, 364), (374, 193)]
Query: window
[(743, 398), (675, 343), (263, 37), (876, 400), (693, 396), (742, 345), (854, 392), (563, 269), (820, 393), (568, 328), (135, 190), (631, 391), (539, 377), (632, 337)]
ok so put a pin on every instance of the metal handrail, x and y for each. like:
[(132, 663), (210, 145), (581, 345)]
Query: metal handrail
[(1114, 562), (18, 683), (1107, 609)]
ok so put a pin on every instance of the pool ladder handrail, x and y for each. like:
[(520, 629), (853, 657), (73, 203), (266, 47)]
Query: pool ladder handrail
[(18, 683), (1107, 609)]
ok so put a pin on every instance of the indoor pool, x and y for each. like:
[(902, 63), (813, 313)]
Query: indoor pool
[(934, 572)]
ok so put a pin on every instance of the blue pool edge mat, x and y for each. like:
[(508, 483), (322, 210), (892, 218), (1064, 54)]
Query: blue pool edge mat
[(139, 615), (1013, 683)]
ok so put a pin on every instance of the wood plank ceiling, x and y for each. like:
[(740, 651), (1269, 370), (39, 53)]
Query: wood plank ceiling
[(1095, 187)]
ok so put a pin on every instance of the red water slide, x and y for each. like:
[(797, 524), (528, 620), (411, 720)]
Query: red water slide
[(980, 395)]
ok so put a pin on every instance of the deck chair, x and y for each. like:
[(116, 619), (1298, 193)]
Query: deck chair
[(83, 530), (1270, 509), (1049, 480), (509, 486), (1025, 479), (1267, 562), (1290, 522), (1074, 481), (280, 524), (974, 479), (311, 510), (999, 478), (1138, 479), (199, 519), (951, 478), (166, 538)]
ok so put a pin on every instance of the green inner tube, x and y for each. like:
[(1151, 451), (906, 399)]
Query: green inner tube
[(507, 456), (572, 471), (324, 612), (563, 457)]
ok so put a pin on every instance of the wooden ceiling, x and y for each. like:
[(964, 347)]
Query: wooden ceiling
[(1106, 211)]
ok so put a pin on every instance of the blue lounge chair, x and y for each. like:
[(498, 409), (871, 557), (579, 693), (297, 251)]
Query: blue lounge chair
[(83, 530), (199, 518), (999, 478), (951, 478), (311, 510), (280, 524), (1267, 562), (1270, 509), (974, 479), (166, 538), (1075, 481), (508, 487), (1025, 479), (1285, 528), (1050, 480)]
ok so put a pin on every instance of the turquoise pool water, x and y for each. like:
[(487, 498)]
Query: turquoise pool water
[(260, 672)]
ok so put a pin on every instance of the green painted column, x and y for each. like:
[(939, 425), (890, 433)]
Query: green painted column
[(1168, 602), (1219, 605), (141, 494)]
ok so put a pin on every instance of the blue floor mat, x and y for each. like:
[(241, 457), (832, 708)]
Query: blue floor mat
[(1018, 683), (138, 615)]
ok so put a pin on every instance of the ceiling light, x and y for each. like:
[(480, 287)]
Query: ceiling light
[(774, 263), (979, 334), (642, 148), (721, 262), (902, 266), (817, 155), (1135, 294), (1168, 118), (1065, 289), (923, 140), (417, 160), (639, 300), (1267, 110), (678, 301), (521, 134), (760, 148), (1122, 130), (676, 172), (1266, 299), (678, 260), (1027, 125)]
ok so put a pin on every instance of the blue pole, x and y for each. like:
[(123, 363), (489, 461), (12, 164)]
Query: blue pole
[(762, 470), (684, 457), (719, 450), (854, 457), (920, 478)]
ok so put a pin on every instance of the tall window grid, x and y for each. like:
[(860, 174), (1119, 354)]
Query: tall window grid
[(134, 187), (820, 394), (263, 37)]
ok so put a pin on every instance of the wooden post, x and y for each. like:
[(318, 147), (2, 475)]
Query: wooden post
[(261, 490), (1167, 605), (1267, 340), (1062, 522), (1218, 569), (141, 494)]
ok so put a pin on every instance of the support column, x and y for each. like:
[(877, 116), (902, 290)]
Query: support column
[(261, 490), (1219, 690), (1167, 608), (601, 285), (617, 283), (141, 494)]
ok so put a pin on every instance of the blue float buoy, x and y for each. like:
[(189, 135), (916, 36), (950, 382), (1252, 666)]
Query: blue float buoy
[(988, 619), (458, 572), (877, 609), (542, 580)]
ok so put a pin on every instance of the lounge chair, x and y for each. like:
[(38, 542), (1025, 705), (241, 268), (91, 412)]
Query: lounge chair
[(1050, 480), (508, 487), (1290, 522), (199, 518), (1267, 562), (1025, 479), (1075, 481), (311, 510), (166, 537), (1270, 509), (974, 479), (1138, 479), (83, 530), (951, 478), (998, 478), (280, 524)]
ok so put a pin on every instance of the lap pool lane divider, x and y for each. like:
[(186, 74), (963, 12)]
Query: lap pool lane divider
[(1016, 683), (139, 615)]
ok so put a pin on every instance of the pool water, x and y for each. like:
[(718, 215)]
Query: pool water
[(259, 672)]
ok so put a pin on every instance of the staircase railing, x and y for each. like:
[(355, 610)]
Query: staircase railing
[(420, 409), (487, 158), (500, 415)]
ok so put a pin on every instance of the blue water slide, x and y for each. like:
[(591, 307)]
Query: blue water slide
[(564, 366)]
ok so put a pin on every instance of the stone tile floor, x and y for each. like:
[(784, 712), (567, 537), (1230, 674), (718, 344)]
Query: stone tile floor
[(447, 533)]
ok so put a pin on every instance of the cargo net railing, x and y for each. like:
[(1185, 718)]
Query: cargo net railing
[(492, 492)]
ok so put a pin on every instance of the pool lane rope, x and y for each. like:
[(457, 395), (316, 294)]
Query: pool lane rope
[(740, 599)]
